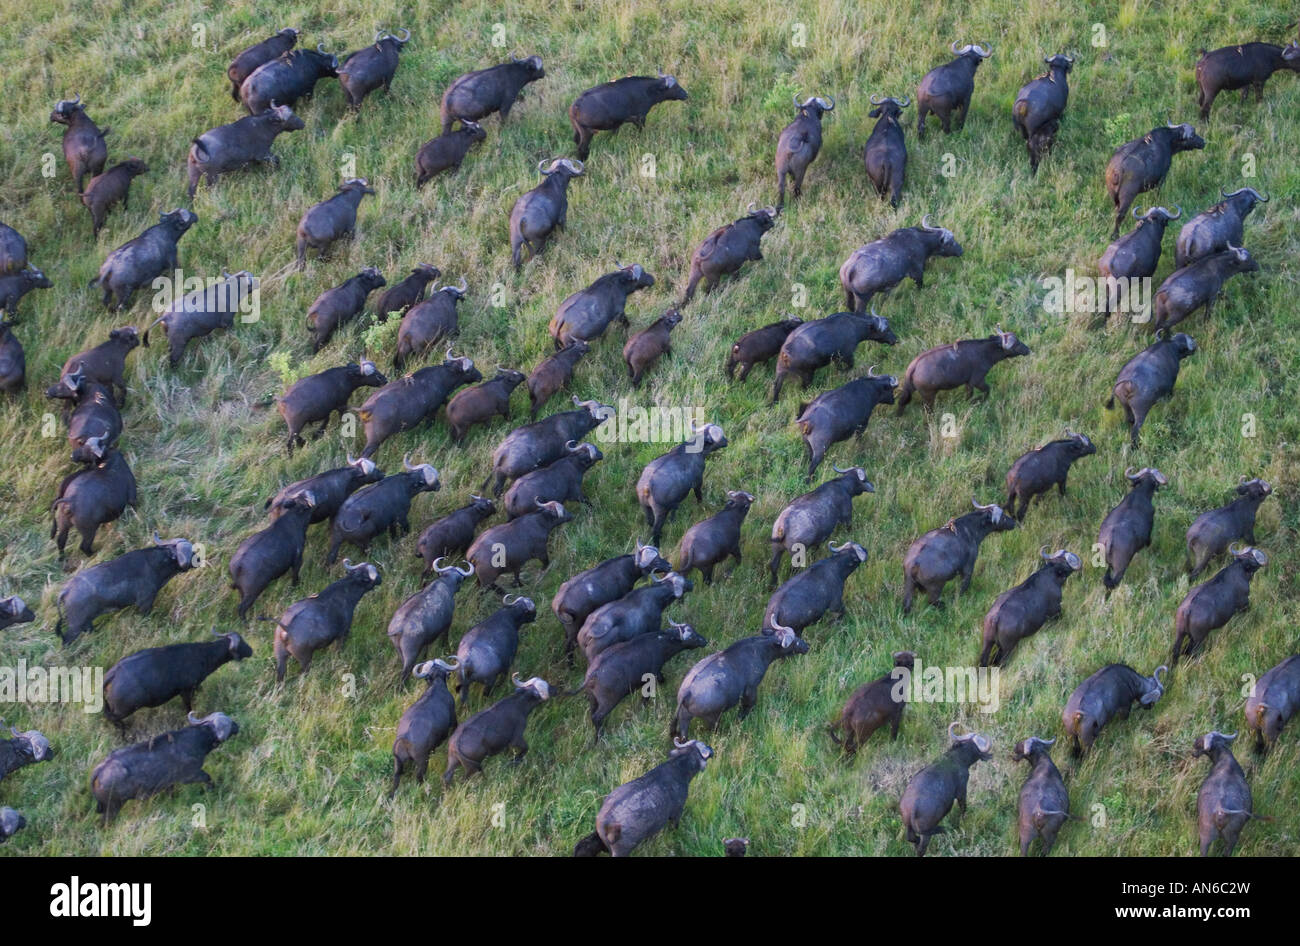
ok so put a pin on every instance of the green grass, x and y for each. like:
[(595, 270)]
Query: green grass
[(308, 772)]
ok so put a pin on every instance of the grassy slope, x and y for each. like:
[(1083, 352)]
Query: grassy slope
[(307, 773)]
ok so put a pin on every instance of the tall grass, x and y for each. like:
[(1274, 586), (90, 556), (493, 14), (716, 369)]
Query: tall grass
[(307, 774)]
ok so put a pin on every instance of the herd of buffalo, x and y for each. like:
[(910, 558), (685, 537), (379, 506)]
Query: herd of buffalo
[(615, 615)]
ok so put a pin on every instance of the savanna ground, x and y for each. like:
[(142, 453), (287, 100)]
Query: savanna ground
[(309, 771)]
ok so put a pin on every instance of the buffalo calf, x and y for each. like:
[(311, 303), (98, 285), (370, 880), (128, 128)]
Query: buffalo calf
[(650, 344), (874, 704), (707, 544), (14, 287), (553, 374), (453, 534), (109, 188), (479, 404), (759, 346), (447, 151)]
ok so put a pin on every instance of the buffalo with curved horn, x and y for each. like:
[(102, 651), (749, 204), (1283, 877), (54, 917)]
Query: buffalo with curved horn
[(946, 90), (799, 143)]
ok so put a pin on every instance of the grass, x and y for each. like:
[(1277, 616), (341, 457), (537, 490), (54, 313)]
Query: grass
[(308, 773)]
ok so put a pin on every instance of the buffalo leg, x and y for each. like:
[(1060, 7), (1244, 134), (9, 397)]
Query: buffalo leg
[(521, 744), (1048, 838), (747, 701), (1208, 834), (933, 595), (798, 180), (88, 538)]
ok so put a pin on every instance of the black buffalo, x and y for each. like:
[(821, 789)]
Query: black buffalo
[(476, 95), (1039, 105), (799, 143), (947, 89), (607, 107), (1141, 164), (879, 266)]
